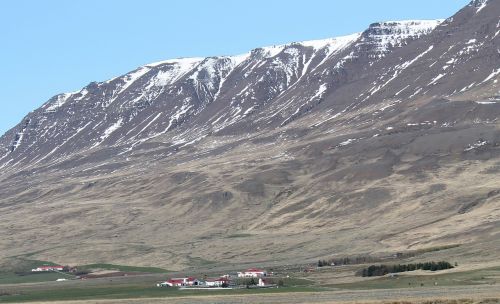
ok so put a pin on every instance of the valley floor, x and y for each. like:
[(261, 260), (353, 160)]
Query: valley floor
[(321, 286), (444, 295)]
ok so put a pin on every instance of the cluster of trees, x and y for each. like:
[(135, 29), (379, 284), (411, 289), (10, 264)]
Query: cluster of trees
[(369, 259), (380, 270), (362, 259)]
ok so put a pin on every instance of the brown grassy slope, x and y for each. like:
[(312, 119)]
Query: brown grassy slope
[(264, 198)]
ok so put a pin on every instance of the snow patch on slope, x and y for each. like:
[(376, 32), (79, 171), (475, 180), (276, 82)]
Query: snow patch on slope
[(399, 69), (479, 4), (321, 91), (433, 81), (127, 80), (476, 145), (173, 70), (61, 99), (389, 34), (492, 75), (109, 131), (333, 44), (132, 77)]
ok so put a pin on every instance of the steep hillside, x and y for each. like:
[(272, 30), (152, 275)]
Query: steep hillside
[(379, 141)]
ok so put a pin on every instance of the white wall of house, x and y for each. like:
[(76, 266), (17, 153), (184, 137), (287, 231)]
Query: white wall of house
[(215, 283), (252, 274), (38, 269)]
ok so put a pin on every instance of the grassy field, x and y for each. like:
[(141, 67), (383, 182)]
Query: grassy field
[(47, 289), (25, 264), (143, 286), (131, 291), (286, 295), (475, 277), (13, 278), (131, 287), (124, 268), (20, 272)]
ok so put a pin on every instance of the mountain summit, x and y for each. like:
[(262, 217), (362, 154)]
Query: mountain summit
[(158, 98)]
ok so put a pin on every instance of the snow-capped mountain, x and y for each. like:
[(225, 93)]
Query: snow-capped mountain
[(316, 136), (199, 96)]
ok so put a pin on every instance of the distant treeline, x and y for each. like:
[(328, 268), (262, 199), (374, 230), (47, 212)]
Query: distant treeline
[(380, 270), (367, 259), (364, 259)]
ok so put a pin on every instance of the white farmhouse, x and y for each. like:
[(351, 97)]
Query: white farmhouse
[(252, 273), (48, 268), (216, 282), (178, 282)]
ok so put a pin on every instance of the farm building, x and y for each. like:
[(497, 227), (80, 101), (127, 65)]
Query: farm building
[(178, 282), (48, 268), (252, 273), (216, 282)]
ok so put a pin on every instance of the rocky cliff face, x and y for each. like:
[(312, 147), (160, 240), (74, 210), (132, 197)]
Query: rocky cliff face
[(314, 144), (212, 93)]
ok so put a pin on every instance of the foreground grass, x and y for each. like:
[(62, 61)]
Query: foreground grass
[(444, 301), (124, 292)]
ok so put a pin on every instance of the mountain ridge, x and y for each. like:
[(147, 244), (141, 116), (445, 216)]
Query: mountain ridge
[(403, 30)]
